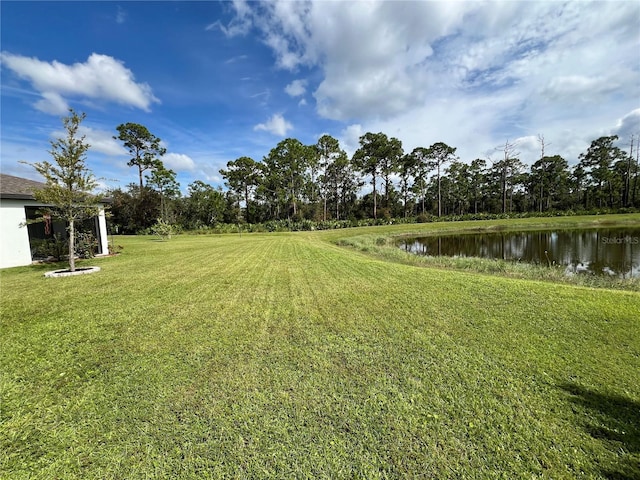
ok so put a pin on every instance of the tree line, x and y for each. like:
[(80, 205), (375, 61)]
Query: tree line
[(320, 183)]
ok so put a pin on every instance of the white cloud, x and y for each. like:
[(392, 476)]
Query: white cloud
[(527, 148), (627, 126), (212, 175), (178, 162), (296, 88), (235, 59), (101, 77), (470, 74), (20, 149), (102, 141), (52, 103), (276, 125), (563, 85), (241, 23), (372, 53), (350, 138), (579, 87), (121, 15)]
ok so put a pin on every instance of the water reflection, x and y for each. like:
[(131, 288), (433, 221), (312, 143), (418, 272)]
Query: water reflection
[(601, 252)]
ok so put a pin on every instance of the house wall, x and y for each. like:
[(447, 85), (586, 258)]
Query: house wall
[(14, 239), (15, 250)]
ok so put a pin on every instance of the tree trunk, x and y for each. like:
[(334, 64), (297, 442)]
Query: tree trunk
[(72, 243), (405, 201), (627, 180), (439, 196), (627, 184), (541, 196), (386, 191), (375, 203), (612, 200), (504, 191), (140, 175), (293, 197), (510, 198), (324, 209), (246, 202), (635, 184)]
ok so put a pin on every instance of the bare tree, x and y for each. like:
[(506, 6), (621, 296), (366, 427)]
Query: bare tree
[(542, 167), (507, 168)]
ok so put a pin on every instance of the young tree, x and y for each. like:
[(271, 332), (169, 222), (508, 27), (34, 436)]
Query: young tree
[(143, 146), (69, 183)]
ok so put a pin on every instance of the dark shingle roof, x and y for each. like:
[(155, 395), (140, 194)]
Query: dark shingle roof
[(22, 188), (16, 187)]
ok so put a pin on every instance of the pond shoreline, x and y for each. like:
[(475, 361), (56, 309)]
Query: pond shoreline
[(380, 242), (600, 251)]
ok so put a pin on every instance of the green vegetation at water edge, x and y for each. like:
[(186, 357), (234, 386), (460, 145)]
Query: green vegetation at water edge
[(287, 356), (382, 243)]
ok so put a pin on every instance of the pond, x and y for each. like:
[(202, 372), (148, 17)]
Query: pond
[(603, 251)]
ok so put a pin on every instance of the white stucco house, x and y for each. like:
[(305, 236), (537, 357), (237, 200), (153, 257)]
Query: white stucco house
[(17, 240)]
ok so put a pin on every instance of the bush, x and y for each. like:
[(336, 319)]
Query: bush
[(292, 225), (56, 248), (86, 245), (163, 229), (423, 218)]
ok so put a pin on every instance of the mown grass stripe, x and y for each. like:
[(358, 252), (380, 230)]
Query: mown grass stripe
[(270, 356)]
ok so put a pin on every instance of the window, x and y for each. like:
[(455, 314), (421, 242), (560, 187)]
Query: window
[(43, 234)]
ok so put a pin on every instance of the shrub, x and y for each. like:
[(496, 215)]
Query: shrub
[(292, 225), (163, 229), (86, 245), (56, 248)]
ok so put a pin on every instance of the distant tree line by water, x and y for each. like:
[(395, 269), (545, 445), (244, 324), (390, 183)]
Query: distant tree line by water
[(319, 184)]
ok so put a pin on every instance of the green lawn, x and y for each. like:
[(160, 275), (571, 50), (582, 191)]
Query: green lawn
[(287, 356)]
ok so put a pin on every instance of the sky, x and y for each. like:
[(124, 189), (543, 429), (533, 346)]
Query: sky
[(220, 80)]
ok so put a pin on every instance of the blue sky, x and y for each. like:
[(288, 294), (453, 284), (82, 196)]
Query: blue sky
[(220, 80)]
